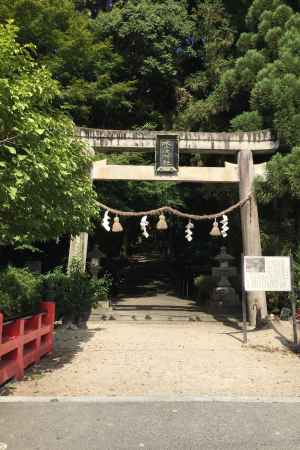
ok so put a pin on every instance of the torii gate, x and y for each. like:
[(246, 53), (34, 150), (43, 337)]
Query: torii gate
[(243, 144)]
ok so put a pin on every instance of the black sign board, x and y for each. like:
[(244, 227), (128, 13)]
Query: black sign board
[(167, 154)]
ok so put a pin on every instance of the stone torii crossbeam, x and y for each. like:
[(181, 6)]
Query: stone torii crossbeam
[(242, 144), (190, 142)]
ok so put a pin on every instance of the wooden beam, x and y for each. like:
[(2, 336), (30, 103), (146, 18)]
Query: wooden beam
[(189, 142), (227, 174)]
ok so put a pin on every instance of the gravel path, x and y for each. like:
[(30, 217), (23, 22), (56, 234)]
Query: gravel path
[(130, 359)]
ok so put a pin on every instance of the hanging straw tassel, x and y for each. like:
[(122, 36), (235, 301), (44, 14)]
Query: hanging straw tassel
[(215, 231), (162, 224), (117, 227)]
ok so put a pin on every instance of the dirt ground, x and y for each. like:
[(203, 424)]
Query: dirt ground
[(183, 358)]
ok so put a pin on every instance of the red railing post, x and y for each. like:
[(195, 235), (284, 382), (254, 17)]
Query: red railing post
[(49, 309), (38, 326), (19, 336)]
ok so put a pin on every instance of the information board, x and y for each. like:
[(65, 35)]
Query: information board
[(267, 273)]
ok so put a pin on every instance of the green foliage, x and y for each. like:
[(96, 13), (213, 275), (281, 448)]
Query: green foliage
[(283, 177), (88, 69), (247, 121), (277, 301), (215, 36), (154, 41), (265, 77), (75, 293), (45, 188), (297, 267), (204, 285), (19, 292)]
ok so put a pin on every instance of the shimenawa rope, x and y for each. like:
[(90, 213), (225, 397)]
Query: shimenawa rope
[(169, 209)]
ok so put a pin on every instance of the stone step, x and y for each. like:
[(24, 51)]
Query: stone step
[(148, 319), (152, 316)]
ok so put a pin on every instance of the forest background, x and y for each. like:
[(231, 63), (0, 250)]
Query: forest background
[(195, 65)]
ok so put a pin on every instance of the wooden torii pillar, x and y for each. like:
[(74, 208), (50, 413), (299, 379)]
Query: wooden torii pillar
[(257, 305)]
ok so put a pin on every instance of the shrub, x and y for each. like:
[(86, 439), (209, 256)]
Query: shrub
[(277, 301), (55, 286), (204, 285), (75, 293), (20, 292)]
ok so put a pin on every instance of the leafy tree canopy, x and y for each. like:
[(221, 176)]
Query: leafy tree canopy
[(45, 188), (155, 40), (89, 70)]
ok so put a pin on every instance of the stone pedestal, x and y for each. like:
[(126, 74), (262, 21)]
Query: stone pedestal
[(225, 296)]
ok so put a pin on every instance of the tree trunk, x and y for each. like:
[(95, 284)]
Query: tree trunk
[(257, 304)]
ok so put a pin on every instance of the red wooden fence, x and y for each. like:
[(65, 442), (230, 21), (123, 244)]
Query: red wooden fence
[(24, 341)]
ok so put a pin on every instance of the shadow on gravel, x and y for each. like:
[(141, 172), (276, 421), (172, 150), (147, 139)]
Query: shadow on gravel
[(67, 344), (286, 342)]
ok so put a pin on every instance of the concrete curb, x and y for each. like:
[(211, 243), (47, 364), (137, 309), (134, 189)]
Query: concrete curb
[(149, 399)]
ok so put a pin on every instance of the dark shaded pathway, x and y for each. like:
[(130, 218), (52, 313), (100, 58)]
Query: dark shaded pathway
[(148, 287)]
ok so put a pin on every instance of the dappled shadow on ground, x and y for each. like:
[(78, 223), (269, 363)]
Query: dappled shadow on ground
[(67, 345), (229, 318), (284, 340), (237, 335)]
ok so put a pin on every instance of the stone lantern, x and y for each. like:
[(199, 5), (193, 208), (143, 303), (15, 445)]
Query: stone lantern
[(224, 293)]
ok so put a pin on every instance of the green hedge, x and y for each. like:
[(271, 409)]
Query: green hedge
[(74, 293), (20, 292)]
